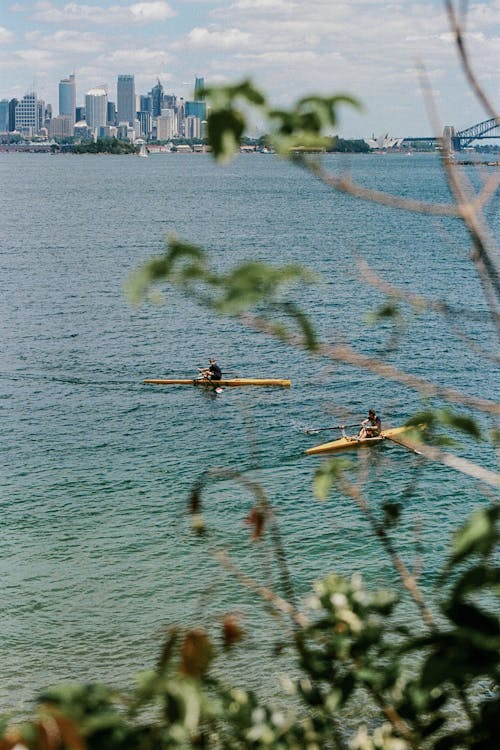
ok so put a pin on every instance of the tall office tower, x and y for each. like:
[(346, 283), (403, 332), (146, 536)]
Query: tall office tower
[(196, 109), (96, 108), (112, 113), (80, 114), (192, 127), (67, 97), (27, 114), (4, 116), (199, 84), (146, 103), (125, 99), (157, 97), (12, 114), (169, 101), (145, 124)]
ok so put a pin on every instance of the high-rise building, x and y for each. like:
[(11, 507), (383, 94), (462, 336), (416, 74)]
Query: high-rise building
[(12, 114), (67, 97), (196, 109), (146, 103), (27, 114), (96, 108), (125, 99), (4, 116), (199, 84), (192, 127), (112, 120), (61, 126), (157, 97)]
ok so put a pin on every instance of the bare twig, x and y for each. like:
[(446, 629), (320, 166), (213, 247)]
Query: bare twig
[(456, 27), (265, 593)]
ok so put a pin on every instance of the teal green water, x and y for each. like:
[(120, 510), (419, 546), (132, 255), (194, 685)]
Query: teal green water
[(96, 551)]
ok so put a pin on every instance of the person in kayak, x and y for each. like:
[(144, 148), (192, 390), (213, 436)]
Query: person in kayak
[(212, 372), (370, 427)]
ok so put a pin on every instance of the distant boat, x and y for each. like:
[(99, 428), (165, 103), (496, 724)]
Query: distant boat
[(143, 151)]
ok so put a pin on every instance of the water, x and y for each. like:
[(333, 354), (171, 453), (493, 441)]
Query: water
[(96, 551)]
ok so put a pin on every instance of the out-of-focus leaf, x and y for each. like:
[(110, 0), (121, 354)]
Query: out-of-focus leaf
[(168, 648), (327, 475), (256, 519), (460, 422), (196, 653), (481, 576), (232, 632), (304, 323), (478, 535), (225, 129), (469, 616), (392, 513)]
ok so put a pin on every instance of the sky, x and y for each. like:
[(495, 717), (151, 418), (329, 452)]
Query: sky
[(369, 49)]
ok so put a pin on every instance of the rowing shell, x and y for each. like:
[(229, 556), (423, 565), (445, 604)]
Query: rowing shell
[(346, 443), (232, 382)]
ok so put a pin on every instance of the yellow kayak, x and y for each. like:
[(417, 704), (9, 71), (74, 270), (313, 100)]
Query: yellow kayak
[(230, 383), (346, 443)]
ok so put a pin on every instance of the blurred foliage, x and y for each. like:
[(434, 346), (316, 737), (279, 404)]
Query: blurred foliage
[(427, 687), (251, 285)]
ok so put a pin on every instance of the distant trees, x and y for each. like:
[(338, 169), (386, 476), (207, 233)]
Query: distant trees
[(105, 146)]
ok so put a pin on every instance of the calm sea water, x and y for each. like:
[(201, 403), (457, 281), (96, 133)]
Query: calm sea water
[(96, 551)]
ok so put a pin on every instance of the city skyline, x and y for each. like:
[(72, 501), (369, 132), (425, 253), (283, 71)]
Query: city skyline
[(366, 48)]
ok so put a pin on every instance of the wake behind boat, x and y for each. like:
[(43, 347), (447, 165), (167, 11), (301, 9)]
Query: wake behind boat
[(347, 443), (228, 382)]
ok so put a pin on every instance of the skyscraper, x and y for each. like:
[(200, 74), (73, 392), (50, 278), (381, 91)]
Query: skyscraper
[(4, 116), (199, 84), (67, 97), (96, 108), (157, 97), (27, 114), (125, 99)]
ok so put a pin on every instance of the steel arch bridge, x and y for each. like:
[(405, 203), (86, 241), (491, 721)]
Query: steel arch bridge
[(463, 138)]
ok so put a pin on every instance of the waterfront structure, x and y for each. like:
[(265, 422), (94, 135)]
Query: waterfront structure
[(96, 108), (67, 98), (125, 99), (383, 142)]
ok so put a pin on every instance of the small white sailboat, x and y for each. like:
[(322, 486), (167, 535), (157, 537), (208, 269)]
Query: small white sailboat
[(143, 151)]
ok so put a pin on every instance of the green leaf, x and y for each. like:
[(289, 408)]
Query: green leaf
[(479, 577), (304, 323), (225, 129), (478, 535), (469, 616), (327, 475)]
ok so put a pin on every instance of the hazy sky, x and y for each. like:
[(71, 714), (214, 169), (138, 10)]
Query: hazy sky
[(368, 48)]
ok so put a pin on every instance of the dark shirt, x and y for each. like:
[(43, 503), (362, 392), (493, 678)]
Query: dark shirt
[(215, 372)]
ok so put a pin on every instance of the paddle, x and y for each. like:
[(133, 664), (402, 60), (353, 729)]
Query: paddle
[(333, 427), (403, 445)]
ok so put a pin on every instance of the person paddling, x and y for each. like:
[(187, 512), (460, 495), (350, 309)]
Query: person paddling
[(212, 372), (370, 427)]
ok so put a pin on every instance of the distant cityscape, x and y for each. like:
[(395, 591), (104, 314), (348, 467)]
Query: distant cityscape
[(153, 116)]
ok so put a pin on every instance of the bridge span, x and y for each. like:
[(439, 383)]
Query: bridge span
[(457, 140)]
